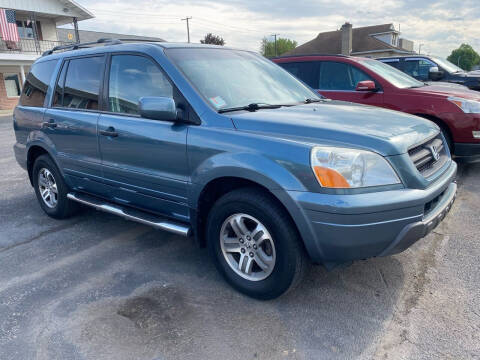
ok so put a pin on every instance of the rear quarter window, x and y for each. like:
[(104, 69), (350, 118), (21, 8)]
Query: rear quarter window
[(36, 85)]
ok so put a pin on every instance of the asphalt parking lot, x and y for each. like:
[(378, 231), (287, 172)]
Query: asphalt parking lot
[(99, 287)]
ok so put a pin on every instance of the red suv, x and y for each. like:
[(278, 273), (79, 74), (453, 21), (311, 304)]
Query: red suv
[(366, 81)]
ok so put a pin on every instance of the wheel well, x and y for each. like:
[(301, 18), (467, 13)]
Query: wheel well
[(214, 190), (33, 153), (444, 126)]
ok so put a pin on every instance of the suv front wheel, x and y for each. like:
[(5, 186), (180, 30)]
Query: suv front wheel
[(254, 244)]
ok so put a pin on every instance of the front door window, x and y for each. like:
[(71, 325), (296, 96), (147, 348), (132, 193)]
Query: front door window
[(338, 76), (418, 68)]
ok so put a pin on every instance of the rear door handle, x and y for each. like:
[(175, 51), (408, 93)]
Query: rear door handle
[(50, 124), (110, 132)]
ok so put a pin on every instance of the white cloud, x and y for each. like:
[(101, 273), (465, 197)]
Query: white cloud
[(440, 26)]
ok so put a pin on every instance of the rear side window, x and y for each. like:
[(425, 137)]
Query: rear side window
[(37, 83), (133, 77), (82, 84), (306, 71)]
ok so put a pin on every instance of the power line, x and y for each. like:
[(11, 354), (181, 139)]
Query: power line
[(188, 27), (205, 21)]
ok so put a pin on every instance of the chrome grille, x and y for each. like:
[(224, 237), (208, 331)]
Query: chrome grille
[(429, 156)]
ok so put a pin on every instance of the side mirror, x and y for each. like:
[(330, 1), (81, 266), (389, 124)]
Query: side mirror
[(158, 108), (366, 85), (434, 73)]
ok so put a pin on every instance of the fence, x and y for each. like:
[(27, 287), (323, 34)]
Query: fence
[(28, 46)]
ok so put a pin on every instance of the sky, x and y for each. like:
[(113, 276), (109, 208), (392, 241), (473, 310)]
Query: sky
[(440, 26)]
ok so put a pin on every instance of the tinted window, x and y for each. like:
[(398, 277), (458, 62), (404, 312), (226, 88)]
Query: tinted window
[(58, 97), (305, 71), (418, 68), (82, 83), (340, 76), (358, 75), (395, 64), (37, 82), (133, 77)]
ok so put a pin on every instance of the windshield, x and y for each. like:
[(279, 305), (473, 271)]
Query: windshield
[(392, 75), (233, 78), (447, 65)]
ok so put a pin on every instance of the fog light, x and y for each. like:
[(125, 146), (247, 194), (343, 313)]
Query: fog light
[(476, 134)]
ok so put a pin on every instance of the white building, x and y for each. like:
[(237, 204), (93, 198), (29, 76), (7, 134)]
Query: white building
[(36, 22)]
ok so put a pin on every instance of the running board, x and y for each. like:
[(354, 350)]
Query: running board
[(131, 214)]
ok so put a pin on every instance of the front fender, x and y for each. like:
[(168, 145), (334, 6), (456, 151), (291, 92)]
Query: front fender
[(263, 171), (249, 166)]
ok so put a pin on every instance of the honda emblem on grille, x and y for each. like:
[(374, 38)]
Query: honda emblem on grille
[(434, 151)]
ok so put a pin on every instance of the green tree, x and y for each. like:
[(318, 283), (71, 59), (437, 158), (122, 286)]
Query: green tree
[(465, 57), (213, 39), (283, 45)]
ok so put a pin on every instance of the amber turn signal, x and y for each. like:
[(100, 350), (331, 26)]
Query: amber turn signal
[(330, 178)]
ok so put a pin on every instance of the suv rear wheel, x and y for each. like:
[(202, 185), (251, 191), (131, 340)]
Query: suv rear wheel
[(51, 189), (254, 244)]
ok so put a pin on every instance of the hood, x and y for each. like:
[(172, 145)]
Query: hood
[(448, 84), (443, 90), (340, 124)]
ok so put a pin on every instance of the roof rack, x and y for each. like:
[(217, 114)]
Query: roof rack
[(106, 41)]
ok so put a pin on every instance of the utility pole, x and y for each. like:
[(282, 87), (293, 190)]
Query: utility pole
[(275, 36), (420, 49), (75, 26), (188, 27)]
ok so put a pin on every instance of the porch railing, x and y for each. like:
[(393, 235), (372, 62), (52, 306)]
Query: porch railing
[(28, 46)]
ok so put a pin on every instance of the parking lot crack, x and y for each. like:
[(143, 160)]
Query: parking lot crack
[(42, 234)]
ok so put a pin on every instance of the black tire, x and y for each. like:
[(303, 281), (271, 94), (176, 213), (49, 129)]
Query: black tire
[(64, 207), (291, 260)]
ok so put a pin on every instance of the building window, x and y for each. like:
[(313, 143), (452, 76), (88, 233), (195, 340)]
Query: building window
[(25, 29), (12, 85)]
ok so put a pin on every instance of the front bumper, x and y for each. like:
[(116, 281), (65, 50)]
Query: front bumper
[(415, 231), (351, 227)]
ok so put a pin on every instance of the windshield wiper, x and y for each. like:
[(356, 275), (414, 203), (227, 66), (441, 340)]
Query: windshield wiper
[(309, 100), (252, 107)]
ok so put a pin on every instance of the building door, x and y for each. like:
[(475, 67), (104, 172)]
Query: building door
[(145, 161)]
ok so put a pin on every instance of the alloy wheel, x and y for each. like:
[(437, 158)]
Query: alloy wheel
[(247, 247), (48, 188)]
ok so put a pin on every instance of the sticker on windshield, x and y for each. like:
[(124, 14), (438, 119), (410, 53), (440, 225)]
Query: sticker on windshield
[(217, 101)]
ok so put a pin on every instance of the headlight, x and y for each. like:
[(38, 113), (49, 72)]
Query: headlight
[(467, 106), (350, 168)]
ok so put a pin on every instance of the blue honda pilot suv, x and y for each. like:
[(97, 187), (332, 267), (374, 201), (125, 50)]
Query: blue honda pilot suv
[(226, 146)]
